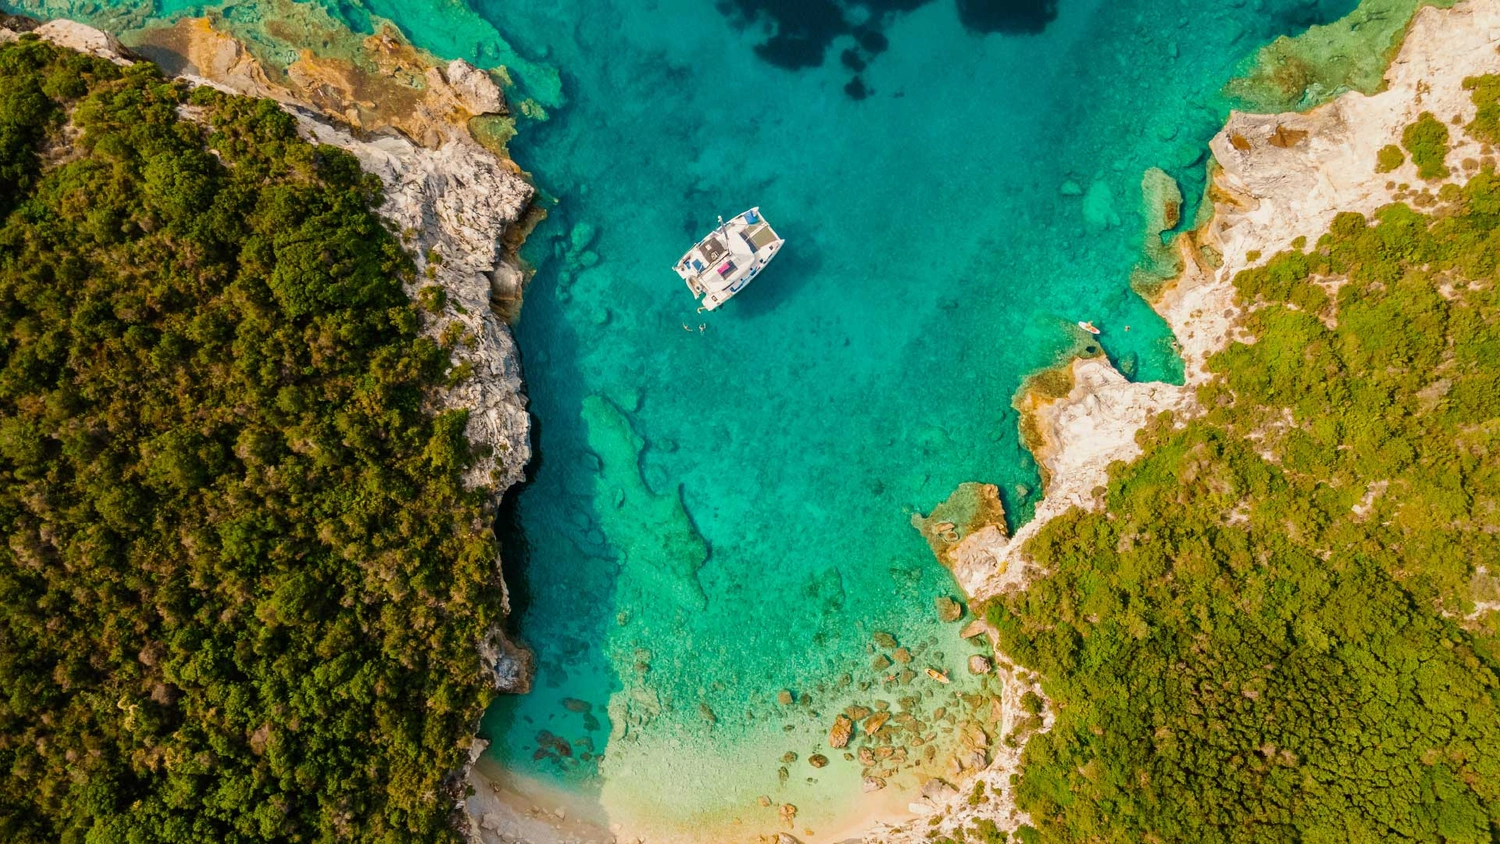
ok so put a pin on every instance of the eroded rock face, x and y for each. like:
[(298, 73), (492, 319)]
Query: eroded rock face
[(367, 83), (84, 39), (454, 204)]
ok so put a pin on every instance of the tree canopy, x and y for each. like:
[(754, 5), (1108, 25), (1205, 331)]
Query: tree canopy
[(1283, 625), (241, 585)]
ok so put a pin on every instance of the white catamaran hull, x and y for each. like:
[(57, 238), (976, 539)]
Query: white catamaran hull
[(729, 258)]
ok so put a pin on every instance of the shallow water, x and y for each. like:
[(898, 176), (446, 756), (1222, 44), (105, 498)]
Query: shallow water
[(720, 507)]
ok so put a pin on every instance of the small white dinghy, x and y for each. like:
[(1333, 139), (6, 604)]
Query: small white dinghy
[(724, 263)]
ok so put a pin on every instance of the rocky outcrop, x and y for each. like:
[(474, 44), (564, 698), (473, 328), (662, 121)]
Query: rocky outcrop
[(972, 515), (1275, 178), (1074, 438)]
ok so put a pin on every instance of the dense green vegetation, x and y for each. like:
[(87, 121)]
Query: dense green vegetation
[(241, 585), (1272, 633), (1427, 141), (1486, 95), (1389, 158)]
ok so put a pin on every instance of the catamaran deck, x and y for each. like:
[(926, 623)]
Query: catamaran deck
[(725, 261)]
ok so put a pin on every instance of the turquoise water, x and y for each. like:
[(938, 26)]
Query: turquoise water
[(933, 261), (721, 513)]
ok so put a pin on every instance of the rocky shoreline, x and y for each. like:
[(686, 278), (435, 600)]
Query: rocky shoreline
[(455, 203), (1275, 178)]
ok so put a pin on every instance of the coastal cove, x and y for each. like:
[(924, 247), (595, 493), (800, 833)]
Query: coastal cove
[(929, 270), (716, 536)]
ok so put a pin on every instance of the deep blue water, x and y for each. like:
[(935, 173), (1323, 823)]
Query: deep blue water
[(720, 514)]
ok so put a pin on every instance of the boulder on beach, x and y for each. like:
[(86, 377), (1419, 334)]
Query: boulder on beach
[(839, 734), (873, 784), (977, 627), (938, 791)]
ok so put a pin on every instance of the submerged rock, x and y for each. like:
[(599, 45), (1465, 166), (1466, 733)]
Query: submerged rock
[(817, 760), (857, 712), (979, 665), (1162, 207), (875, 722), (948, 610), (872, 784), (883, 640), (785, 697), (1099, 214), (664, 557)]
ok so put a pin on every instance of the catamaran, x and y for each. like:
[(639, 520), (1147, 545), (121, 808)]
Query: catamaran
[(725, 261)]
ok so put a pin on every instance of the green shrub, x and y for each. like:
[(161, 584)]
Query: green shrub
[(1389, 158), (1485, 126), (1427, 141)]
